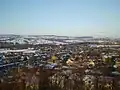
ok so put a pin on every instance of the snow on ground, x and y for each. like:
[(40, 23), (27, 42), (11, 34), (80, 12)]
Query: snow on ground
[(47, 39)]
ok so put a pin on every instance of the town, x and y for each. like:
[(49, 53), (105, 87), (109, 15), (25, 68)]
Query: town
[(83, 63)]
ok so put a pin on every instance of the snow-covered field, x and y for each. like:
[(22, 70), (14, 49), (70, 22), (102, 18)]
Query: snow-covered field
[(46, 39)]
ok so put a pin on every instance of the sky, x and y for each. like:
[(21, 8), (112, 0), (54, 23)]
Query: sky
[(60, 17)]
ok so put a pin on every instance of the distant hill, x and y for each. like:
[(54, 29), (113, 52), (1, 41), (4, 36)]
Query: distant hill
[(84, 37), (48, 39)]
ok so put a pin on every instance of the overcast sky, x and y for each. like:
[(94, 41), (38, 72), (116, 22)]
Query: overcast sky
[(60, 17)]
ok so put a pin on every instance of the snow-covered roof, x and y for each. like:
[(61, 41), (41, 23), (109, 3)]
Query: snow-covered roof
[(21, 50)]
